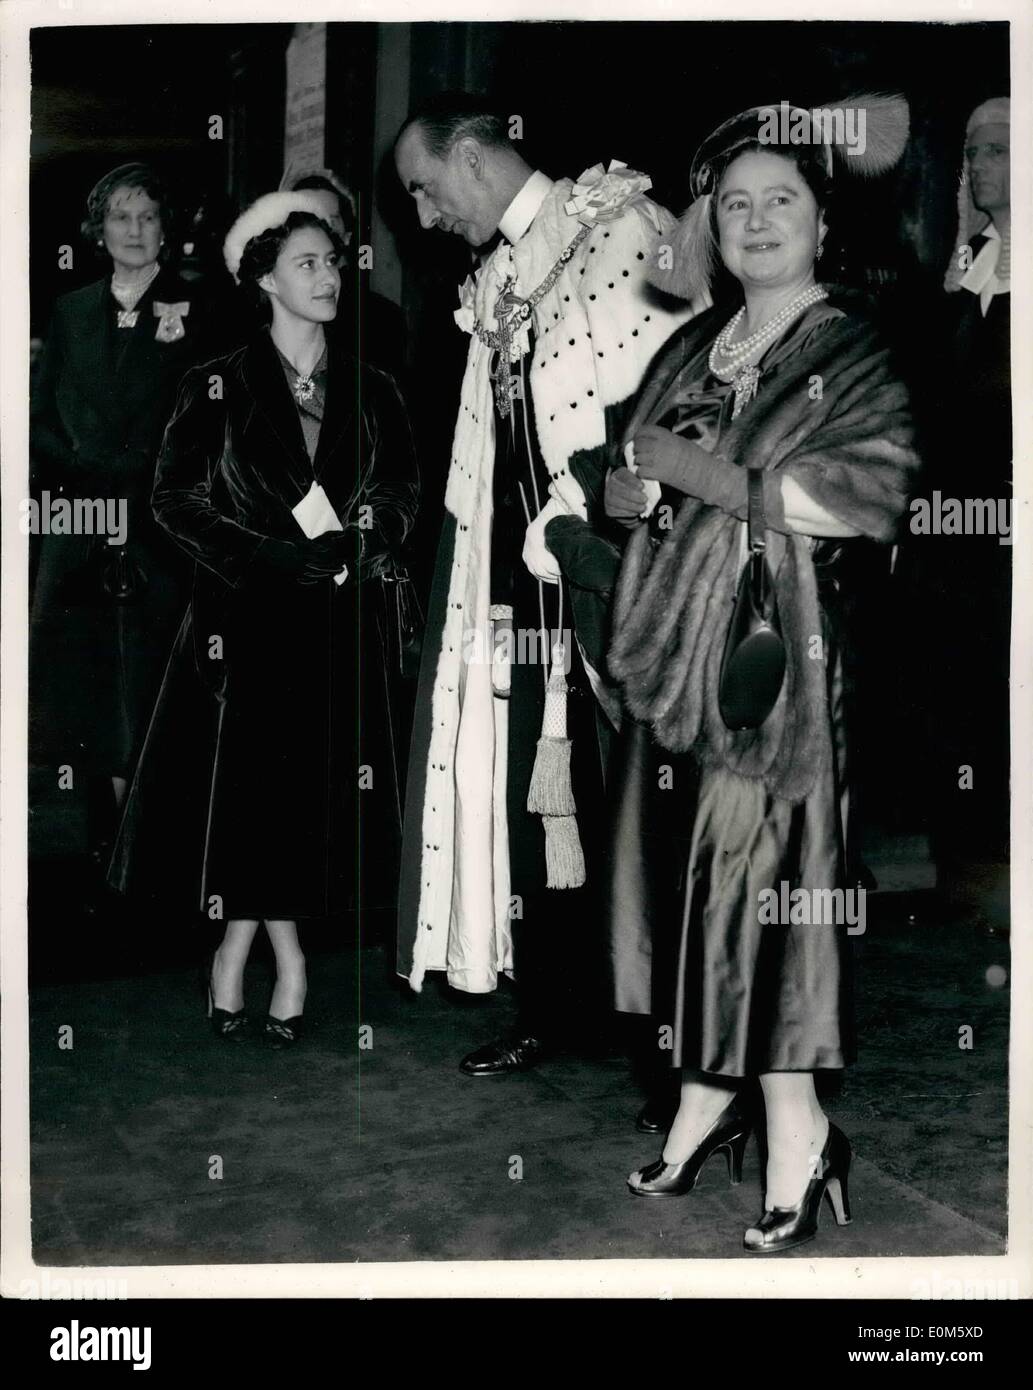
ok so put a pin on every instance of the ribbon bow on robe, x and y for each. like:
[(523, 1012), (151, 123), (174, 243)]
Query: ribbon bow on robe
[(601, 195), (170, 320), (466, 315)]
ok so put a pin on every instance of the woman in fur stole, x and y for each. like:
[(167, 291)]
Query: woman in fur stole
[(798, 386)]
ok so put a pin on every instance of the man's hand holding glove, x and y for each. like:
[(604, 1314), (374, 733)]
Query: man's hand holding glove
[(537, 556)]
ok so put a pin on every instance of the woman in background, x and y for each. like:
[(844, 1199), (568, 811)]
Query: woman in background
[(105, 608), (373, 325)]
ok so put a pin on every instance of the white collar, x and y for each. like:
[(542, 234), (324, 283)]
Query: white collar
[(981, 278), (525, 207)]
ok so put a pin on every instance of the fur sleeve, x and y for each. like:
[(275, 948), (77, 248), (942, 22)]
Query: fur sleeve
[(841, 428), (861, 465)]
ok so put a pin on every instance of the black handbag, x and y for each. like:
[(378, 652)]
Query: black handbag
[(754, 660), (404, 620)]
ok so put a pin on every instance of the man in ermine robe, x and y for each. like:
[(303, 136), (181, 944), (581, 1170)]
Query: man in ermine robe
[(562, 325)]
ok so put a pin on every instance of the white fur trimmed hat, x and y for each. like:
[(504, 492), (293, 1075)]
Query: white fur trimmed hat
[(271, 210)]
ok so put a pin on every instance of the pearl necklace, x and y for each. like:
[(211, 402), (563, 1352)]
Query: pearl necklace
[(737, 353), (736, 366)]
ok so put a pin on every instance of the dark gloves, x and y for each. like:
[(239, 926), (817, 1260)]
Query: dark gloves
[(587, 560), (624, 497), (328, 554), (285, 558), (670, 459), (685, 466), (309, 562)]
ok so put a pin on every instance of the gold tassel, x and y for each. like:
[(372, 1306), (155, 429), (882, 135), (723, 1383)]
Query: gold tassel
[(564, 857), (550, 794)]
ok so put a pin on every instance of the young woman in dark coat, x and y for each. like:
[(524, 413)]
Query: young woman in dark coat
[(268, 768)]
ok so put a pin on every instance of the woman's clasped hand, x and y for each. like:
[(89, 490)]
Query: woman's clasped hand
[(668, 458), (310, 561), (328, 554), (662, 456)]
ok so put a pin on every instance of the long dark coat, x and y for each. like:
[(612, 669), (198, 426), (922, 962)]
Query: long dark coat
[(267, 784), (970, 602), (102, 402)]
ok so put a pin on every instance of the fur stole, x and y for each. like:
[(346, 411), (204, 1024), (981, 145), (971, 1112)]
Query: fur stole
[(835, 418)]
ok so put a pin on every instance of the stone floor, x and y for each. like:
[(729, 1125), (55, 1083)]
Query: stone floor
[(335, 1153)]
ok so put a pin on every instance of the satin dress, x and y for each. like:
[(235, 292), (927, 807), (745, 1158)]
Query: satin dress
[(694, 846)]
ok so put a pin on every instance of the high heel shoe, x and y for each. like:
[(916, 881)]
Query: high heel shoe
[(783, 1227), (728, 1133), (228, 1027), (284, 1032)]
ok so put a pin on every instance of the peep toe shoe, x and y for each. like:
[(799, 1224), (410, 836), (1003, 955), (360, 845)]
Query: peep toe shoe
[(728, 1135), (783, 1227)]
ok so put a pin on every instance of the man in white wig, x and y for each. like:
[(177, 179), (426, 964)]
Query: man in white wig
[(979, 273), (974, 464), (504, 811)]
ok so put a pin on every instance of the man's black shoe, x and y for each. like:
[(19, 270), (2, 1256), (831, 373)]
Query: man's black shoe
[(657, 1115), (504, 1055)]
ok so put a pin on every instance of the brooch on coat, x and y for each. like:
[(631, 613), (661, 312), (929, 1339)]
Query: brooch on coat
[(170, 320), (304, 389)]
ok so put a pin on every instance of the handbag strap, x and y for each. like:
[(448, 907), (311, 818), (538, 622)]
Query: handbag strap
[(756, 521)]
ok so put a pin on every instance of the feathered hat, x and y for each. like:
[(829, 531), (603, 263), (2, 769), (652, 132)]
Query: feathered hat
[(271, 210), (880, 125), (971, 220)]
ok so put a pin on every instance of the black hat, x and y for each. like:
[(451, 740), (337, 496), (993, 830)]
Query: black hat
[(880, 122)]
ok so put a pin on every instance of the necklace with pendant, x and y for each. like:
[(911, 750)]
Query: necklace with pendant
[(735, 366), (304, 387), (511, 315)]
